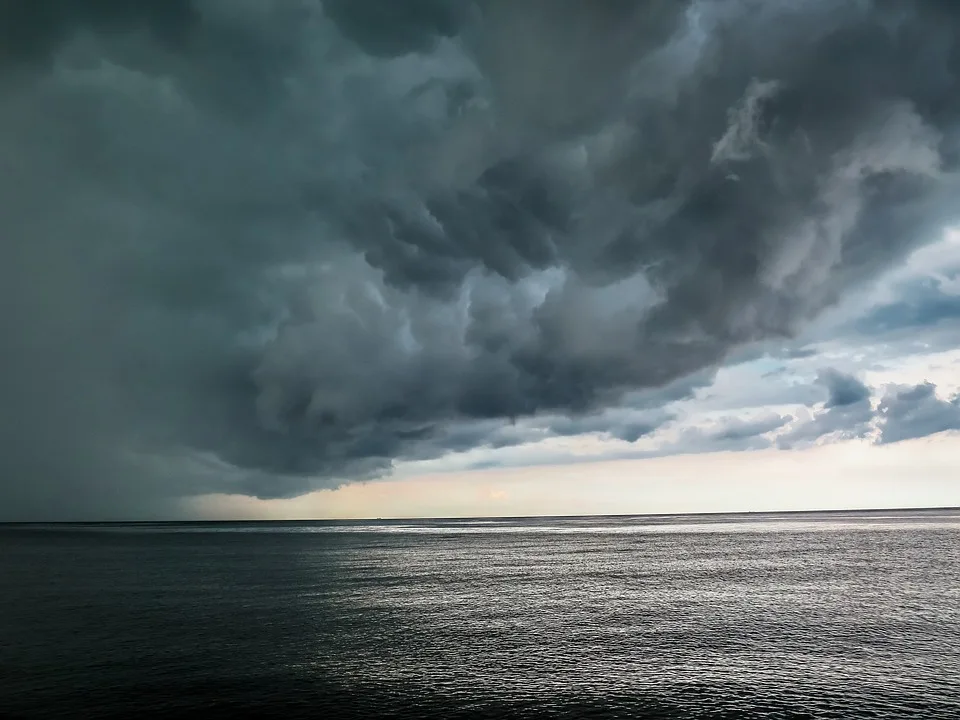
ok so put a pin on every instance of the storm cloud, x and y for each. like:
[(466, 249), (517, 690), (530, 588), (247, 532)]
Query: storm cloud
[(266, 246)]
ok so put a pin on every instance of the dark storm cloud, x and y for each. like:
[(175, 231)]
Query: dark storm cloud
[(843, 389), (846, 414), (913, 412), (31, 31), (266, 245)]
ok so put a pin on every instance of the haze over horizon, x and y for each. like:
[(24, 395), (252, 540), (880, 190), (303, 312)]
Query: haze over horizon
[(355, 258)]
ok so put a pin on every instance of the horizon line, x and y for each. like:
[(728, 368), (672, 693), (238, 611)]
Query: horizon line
[(483, 517)]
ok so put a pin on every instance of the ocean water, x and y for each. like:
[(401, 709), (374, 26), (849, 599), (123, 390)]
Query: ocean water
[(834, 615)]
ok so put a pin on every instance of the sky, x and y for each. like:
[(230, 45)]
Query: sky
[(360, 258)]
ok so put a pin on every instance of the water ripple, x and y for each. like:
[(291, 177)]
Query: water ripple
[(854, 618)]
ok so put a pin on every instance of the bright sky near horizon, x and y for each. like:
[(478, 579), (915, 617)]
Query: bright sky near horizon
[(854, 475)]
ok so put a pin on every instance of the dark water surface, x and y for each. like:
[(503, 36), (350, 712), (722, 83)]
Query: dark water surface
[(851, 615)]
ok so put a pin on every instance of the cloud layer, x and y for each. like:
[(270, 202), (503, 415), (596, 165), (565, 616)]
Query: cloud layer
[(264, 246)]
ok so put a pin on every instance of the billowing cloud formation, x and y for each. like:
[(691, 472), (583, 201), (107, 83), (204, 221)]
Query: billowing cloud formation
[(913, 412), (844, 390), (295, 241), (846, 414), (903, 412)]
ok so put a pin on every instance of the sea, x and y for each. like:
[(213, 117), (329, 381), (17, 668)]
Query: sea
[(815, 615)]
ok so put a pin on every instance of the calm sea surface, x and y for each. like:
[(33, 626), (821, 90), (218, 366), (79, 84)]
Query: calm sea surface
[(839, 615)]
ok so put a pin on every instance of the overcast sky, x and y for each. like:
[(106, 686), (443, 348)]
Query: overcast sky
[(292, 258)]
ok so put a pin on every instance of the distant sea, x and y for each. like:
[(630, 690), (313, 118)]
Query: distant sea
[(821, 615)]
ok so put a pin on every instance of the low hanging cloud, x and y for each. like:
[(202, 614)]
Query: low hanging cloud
[(267, 246), (728, 434), (913, 412), (846, 414), (902, 412)]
